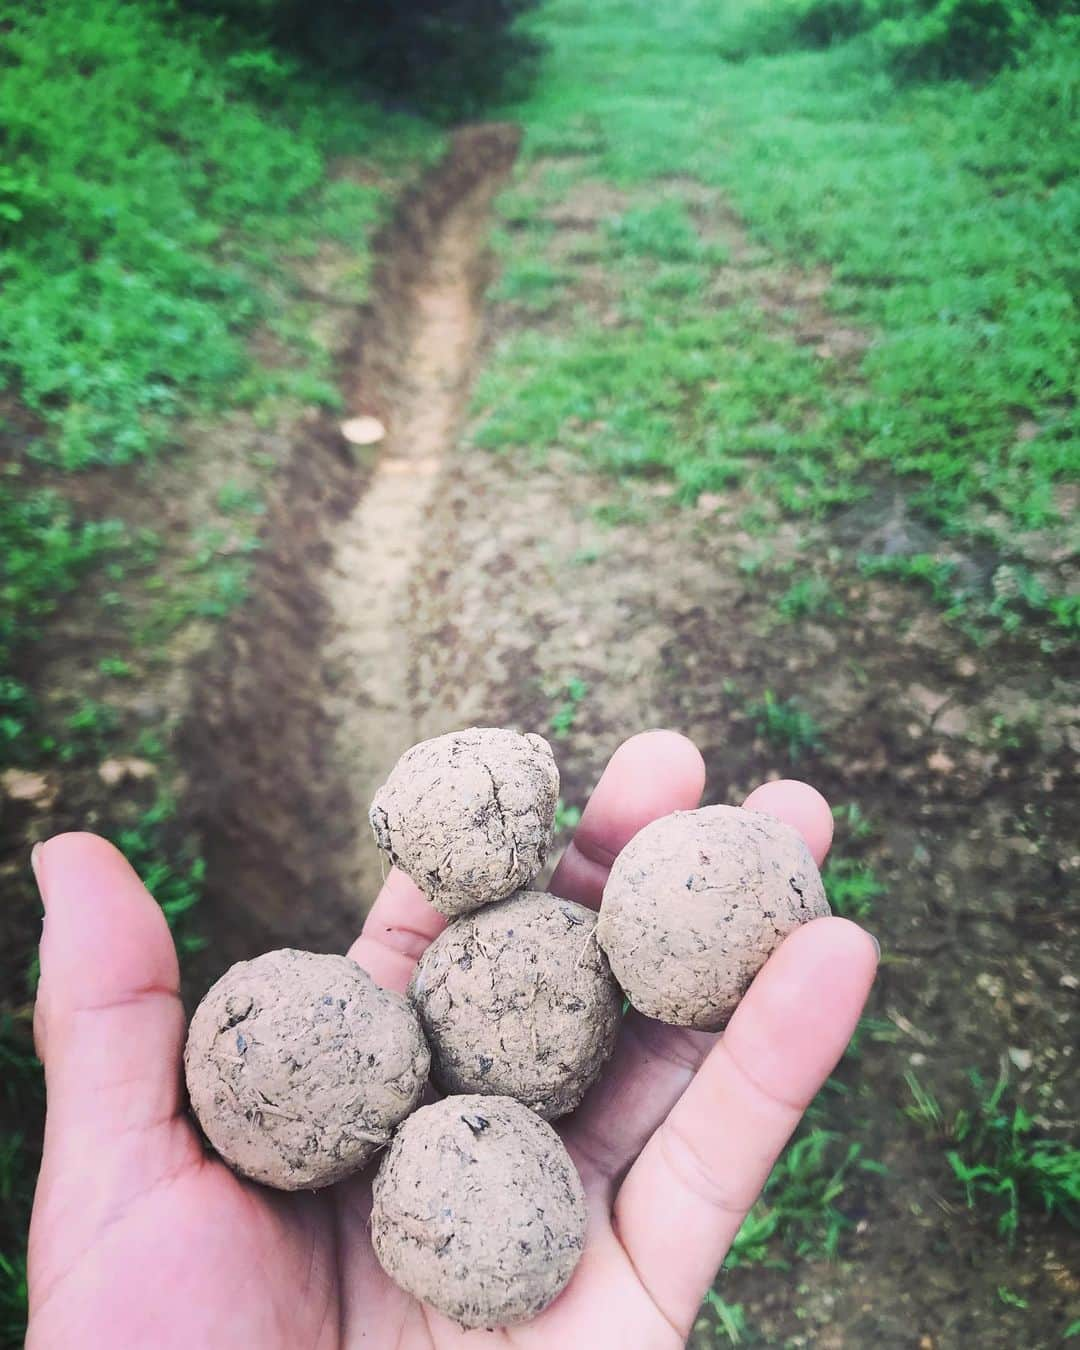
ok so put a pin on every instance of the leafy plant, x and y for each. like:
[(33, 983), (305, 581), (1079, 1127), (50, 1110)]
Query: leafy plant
[(801, 1202), (852, 886), (852, 819), (23, 1098), (807, 597), (1010, 1298), (664, 231), (998, 1156), (115, 667), (171, 870), (730, 1318), (87, 728), (160, 207), (46, 551), (13, 1294), (784, 724), (562, 719), (530, 283), (566, 817)]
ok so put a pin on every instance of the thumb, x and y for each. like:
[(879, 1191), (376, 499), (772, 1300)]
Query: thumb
[(108, 1021), (109, 1026)]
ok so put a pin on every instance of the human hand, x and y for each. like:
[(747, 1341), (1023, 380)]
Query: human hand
[(139, 1239)]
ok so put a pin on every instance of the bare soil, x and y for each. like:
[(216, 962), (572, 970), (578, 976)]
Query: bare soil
[(298, 712), (427, 586)]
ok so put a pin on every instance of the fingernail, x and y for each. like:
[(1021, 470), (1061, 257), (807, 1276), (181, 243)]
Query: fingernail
[(877, 945)]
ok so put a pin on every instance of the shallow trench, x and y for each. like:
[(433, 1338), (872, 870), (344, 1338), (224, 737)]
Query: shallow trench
[(300, 707)]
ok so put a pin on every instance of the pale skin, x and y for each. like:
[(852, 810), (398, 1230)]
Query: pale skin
[(140, 1239)]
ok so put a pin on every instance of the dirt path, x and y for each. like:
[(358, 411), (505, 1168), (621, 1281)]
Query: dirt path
[(300, 708), (375, 549)]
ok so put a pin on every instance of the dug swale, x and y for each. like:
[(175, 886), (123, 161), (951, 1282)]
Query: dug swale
[(469, 815), (695, 904), (479, 1211), (518, 1000), (299, 1067)]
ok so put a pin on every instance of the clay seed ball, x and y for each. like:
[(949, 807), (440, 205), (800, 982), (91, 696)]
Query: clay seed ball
[(518, 1000), (469, 815), (695, 904), (479, 1211), (299, 1067)]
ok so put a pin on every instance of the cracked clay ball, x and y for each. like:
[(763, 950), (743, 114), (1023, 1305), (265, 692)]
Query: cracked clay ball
[(518, 1000), (299, 1067), (469, 815), (479, 1211), (694, 905)]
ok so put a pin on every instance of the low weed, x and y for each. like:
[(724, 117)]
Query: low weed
[(533, 284), (13, 1295), (87, 731), (801, 1205), (731, 1321), (116, 667), (853, 821), (566, 817), (170, 868), (785, 725), (144, 216), (564, 716), (809, 597), (23, 1100), (997, 1155), (852, 886), (663, 232), (1010, 1298)]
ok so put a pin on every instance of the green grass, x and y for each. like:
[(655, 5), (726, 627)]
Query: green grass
[(852, 887), (785, 725), (566, 817), (801, 1210), (945, 212), (693, 396), (142, 216), (997, 1155), (158, 184), (807, 598), (572, 695), (729, 1317)]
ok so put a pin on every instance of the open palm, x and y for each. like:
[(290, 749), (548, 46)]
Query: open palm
[(138, 1239)]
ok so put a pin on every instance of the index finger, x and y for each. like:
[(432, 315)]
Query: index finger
[(649, 776)]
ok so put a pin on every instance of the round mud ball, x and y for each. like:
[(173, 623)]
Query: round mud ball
[(478, 1211), (694, 905), (299, 1067), (518, 1000), (469, 815)]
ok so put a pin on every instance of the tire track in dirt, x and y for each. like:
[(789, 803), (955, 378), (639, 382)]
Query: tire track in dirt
[(301, 707)]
